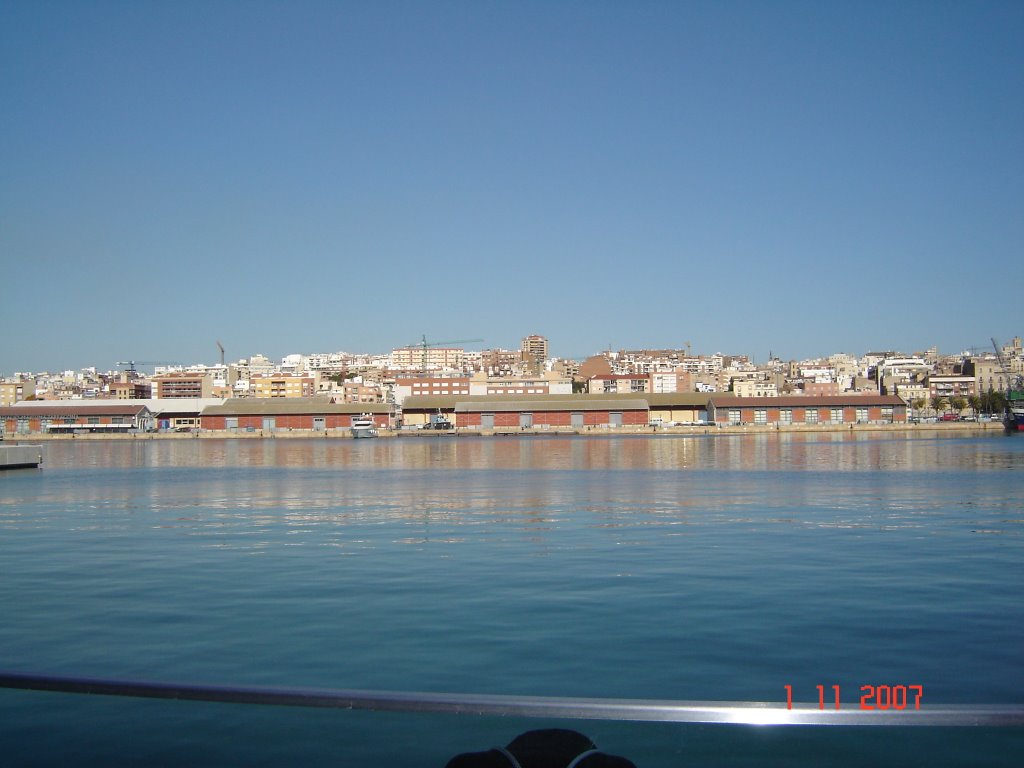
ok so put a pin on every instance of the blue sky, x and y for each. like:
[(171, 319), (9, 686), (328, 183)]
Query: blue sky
[(800, 177)]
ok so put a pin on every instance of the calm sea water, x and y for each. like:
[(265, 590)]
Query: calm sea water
[(715, 568)]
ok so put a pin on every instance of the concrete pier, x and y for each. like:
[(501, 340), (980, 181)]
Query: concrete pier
[(20, 456)]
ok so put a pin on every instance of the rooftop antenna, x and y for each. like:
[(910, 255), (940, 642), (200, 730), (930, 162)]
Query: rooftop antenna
[(221, 348)]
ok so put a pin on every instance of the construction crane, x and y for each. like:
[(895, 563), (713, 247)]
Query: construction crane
[(130, 364), (425, 345)]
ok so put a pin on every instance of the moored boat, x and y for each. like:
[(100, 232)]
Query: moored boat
[(1014, 417), (363, 426)]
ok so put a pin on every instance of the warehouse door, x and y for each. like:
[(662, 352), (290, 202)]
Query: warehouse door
[(526, 420), (615, 419), (487, 421), (576, 419), (269, 423), (319, 423)]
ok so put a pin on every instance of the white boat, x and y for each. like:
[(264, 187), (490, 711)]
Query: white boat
[(363, 426)]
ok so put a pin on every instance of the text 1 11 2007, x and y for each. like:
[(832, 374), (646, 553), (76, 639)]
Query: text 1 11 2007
[(881, 697)]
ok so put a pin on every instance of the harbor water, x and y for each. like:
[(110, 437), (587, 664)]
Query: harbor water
[(720, 567)]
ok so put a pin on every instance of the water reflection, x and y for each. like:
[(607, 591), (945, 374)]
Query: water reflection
[(360, 495), (788, 451)]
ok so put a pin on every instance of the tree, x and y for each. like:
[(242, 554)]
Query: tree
[(939, 403), (975, 403), (993, 402)]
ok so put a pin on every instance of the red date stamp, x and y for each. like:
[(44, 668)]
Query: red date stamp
[(881, 697)]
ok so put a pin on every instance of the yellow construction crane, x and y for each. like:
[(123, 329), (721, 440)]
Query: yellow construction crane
[(427, 344)]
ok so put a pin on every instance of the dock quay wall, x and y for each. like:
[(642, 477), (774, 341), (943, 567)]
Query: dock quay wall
[(20, 456), (936, 429)]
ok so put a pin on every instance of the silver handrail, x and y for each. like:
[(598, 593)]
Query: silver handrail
[(666, 711)]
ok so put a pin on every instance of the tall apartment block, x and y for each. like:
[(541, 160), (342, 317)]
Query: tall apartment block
[(534, 351)]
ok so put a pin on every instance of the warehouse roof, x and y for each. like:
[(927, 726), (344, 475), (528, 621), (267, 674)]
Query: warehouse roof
[(806, 401), (290, 406), (62, 408), (505, 404), (654, 400), (157, 405)]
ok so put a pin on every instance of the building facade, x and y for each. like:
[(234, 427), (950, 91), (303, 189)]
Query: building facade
[(176, 385), (754, 388), (412, 386), (284, 414), (12, 392), (263, 386), (63, 416), (951, 386), (534, 351), (546, 384), (131, 389), (620, 384), (569, 410), (807, 411), (427, 358), (524, 413)]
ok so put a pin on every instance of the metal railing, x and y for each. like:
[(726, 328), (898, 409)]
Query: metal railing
[(666, 711)]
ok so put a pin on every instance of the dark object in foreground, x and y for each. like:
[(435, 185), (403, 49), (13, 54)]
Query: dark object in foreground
[(546, 748)]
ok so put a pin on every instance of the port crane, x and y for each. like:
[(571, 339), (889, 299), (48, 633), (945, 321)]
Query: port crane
[(425, 345), (1014, 380)]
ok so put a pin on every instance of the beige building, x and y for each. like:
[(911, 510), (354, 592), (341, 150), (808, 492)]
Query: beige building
[(534, 351), (178, 385), (427, 358), (754, 388), (282, 386), (355, 392), (12, 392), (129, 389), (548, 383), (615, 383), (989, 375), (911, 393)]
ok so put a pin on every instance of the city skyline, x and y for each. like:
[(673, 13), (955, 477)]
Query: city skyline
[(412, 352), (794, 178)]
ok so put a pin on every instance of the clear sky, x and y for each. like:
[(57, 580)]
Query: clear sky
[(800, 177)]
